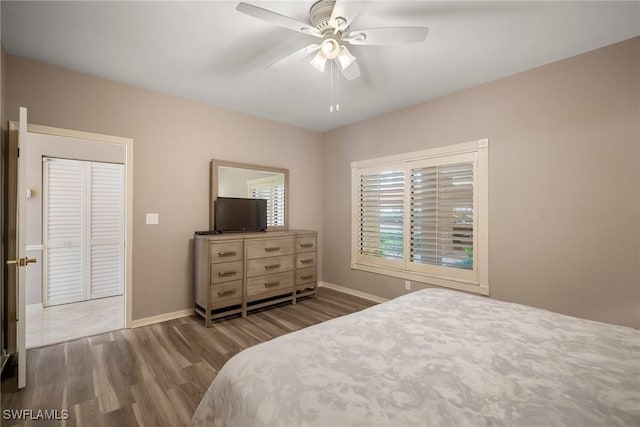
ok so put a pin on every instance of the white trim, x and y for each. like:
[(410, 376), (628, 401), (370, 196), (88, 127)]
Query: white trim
[(34, 247), (447, 150), (424, 278), (353, 292), (161, 318), (128, 166), (36, 306), (78, 134)]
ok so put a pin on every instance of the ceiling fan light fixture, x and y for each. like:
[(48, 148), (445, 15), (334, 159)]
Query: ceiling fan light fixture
[(330, 48), (319, 61), (345, 58)]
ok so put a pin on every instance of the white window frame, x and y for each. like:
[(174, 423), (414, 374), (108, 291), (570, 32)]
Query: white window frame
[(476, 280)]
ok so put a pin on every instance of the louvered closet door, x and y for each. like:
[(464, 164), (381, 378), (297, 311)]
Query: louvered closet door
[(83, 230), (106, 229), (63, 231)]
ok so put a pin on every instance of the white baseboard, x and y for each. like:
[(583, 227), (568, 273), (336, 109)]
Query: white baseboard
[(161, 318), (353, 292)]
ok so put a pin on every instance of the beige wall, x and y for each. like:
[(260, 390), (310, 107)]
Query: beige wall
[(173, 140), (564, 175), (564, 182)]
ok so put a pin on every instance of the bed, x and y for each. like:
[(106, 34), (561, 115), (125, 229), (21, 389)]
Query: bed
[(434, 357)]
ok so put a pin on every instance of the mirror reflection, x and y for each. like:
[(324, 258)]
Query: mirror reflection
[(255, 182)]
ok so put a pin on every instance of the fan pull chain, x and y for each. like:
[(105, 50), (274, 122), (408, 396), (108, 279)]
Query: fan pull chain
[(331, 86), (337, 90), (334, 95)]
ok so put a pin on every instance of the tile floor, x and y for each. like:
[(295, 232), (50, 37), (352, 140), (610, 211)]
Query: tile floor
[(65, 322)]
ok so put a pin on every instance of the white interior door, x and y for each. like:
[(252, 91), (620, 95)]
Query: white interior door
[(21, 259), (83, 230), (106, 229), (63, 206)]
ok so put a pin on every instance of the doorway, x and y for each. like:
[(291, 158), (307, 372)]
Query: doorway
[(78, 215)]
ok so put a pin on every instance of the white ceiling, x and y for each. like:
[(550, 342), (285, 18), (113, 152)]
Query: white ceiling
[(208, 52)]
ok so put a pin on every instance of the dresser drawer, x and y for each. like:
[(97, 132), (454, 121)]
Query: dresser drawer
[(263, 266), (224, 292), (305, 260), (306, 275), (269, 247), (226, 272), (225, 252), (272, 283), (306, 244)]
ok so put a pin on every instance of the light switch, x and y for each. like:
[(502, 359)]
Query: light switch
[(153, 218)]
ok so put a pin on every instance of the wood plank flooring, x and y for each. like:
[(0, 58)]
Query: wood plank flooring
[(153, 375)]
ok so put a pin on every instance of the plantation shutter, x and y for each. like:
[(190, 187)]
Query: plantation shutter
[(106, 233), (442, 215), (63, 223), (381, 216), (273, 192)]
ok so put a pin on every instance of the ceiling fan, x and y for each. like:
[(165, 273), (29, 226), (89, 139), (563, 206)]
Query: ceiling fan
[(331, 22)]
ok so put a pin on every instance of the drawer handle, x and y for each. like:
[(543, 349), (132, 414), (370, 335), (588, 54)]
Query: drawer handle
[(306, 245), (227, 273), (228, 253), (272, 249), (271, 266), (271, 284), (306, 261), (226, 293), (306, 277)]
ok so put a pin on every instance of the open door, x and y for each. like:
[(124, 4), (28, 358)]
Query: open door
[(16, 250)]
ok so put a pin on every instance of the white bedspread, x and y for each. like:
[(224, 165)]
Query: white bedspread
[(434, 358)]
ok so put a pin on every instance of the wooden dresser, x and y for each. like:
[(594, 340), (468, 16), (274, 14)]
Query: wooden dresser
[(235, 273)]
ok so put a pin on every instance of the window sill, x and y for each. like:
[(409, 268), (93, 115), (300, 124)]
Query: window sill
[(460, 285)]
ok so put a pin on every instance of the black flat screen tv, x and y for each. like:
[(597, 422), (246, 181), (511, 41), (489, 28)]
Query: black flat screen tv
[(235, 215)]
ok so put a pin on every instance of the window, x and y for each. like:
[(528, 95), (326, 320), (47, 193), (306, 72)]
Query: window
[(271, 189), (423, 216)]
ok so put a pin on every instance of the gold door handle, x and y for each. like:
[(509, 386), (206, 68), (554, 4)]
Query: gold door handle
[(22, 262), (271, 266), (228, 253), (272, 284), (306, 261), (306, 245), (272, 249), (306, 277)]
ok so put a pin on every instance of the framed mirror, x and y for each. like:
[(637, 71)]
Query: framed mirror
[(231, 179)]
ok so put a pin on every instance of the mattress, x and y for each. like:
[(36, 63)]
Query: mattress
[(434, 357)]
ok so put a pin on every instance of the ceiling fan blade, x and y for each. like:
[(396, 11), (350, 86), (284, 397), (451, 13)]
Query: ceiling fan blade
[(296, 56), (352, 72), (347, 10), (277, 19), (387, 36)]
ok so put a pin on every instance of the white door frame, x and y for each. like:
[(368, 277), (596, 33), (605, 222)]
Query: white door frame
[(127, 143)]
